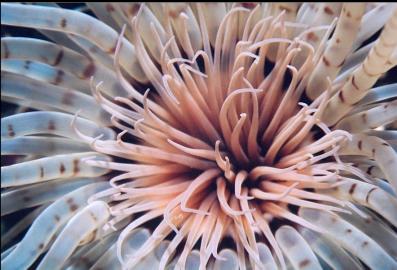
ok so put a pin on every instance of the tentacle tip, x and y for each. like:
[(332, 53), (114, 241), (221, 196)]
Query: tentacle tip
[(240, 197), (73, 123), (218, 257), (93, 142), (160, 235)]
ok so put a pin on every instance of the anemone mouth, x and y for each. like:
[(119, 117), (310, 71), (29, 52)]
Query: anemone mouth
[(239, 135)]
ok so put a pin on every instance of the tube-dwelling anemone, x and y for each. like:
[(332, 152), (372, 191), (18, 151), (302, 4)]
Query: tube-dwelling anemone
[(200, 136)]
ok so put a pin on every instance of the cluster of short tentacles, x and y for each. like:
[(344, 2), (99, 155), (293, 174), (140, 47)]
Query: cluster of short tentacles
[(202, 136)]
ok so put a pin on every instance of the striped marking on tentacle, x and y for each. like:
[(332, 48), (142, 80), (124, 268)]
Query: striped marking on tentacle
[(59, 37), (102, 11), (61, 58), (373, 20), (365, 75), (337, 49), (79, 227), (317, 15), (375, 228), (73, 22), (97, 56), (48, 168), (41, 146), (296, 249), (369, 195), (330, 252), (45, 73), (55, 123), (43, 229), (375, 148), (373, 118), (59, 98), (38, 194), (351, 63), (351, 238)]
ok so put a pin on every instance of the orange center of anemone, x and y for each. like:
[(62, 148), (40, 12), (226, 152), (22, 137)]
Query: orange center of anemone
[(227, 145)]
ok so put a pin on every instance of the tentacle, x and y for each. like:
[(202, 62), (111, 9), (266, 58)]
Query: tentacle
[(376, 229), (48, 168), (31, 123), (61, 58), (75, 23), (230, 262), (194, 232), (197, 184), (18, 228), (45, 73), (38, 194), (378, 94), (378, 149), (351, 238), (368, 195), (296, 249), (87, 258), (266, 257), (265, 228), (41, 146), (47, 224), (337, 49), (378, 18), (89, 219), (67, 100), (331, 253), (102, 11), (108, 260), (364, 77), (370, 119)]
